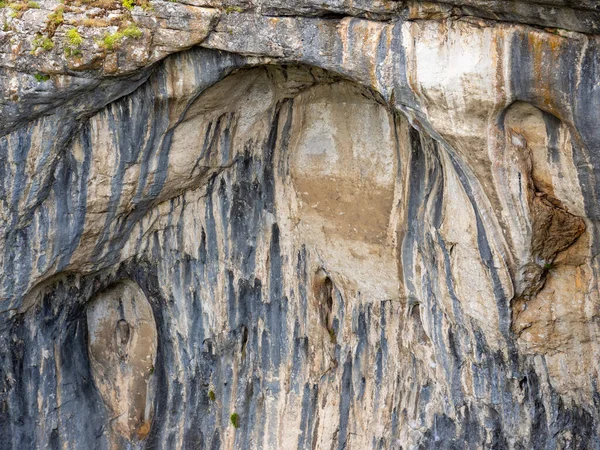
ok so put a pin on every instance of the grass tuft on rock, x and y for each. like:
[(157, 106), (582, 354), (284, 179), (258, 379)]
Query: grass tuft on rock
[(132, 31), (41, 77), (332, 336), (74, 38), (55, 20), (94, 22), (233, 9), (112, 41), (235, 420), (43, 42)]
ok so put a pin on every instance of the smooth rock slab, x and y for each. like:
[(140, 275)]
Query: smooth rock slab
[(122, 348)]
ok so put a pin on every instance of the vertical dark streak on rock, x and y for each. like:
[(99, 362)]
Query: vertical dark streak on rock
[(275, 307), (553, 134), (586, 104), (402, 93), (346, 400), (15, 263)]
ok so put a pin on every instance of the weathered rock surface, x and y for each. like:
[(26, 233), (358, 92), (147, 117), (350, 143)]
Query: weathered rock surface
[(274, 224), (122, 350)]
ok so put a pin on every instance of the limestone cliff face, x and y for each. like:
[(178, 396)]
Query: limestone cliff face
[(282, 224)]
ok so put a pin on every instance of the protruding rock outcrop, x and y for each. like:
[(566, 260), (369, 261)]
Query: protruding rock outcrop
[(122, 345)]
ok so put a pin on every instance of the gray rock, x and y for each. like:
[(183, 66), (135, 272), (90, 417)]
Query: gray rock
[(275, 224)]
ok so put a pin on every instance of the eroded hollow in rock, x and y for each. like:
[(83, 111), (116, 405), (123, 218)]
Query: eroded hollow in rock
[(323, 291), (122, 347), (535, 141)]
